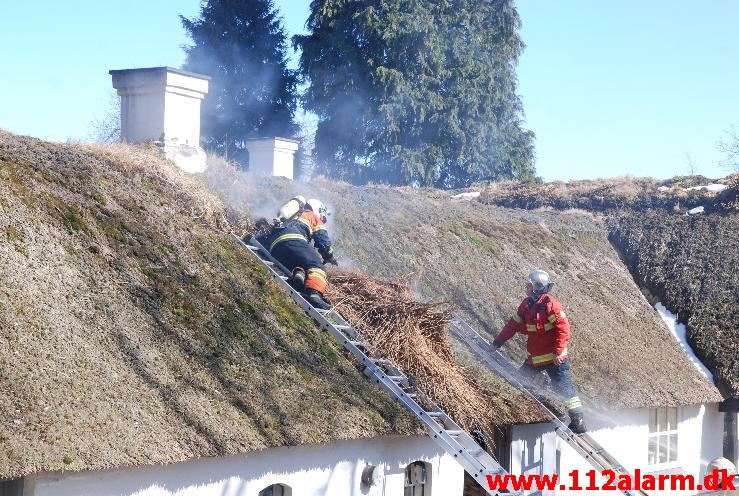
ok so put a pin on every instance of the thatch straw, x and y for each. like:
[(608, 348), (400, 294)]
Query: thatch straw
[(415, 336), (134, 332)]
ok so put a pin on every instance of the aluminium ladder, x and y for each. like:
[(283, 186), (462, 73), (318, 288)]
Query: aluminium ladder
[(442, 429), (583, 444)]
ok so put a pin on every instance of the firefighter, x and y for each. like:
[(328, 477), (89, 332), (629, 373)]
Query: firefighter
[(289, 243), (542, 319)]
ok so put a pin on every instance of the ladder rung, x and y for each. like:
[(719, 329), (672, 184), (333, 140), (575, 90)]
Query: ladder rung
[(454, 433), (284, 278), (357, 343), (435, 414), (397, 378), (252, 248), (476, 452), (343, 327), (267, 262)]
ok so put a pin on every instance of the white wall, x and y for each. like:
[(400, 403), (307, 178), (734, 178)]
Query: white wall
[(272, 156), (161, 103), (140, 116), (183, 95), (317, 470), (712, 427), (624, 433), (182, 118)]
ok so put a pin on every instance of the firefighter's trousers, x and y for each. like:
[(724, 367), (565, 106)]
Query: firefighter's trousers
[(561, 376), (295, 253)]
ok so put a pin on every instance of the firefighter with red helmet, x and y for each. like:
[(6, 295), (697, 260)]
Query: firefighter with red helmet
[(299, 223), (544, 322)]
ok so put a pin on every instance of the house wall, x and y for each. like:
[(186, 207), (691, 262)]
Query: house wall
[(318, 470), (535, 449)]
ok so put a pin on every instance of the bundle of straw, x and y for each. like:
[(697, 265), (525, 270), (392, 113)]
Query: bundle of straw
[(415, 336)]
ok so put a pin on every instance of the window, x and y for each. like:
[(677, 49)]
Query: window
[(416, 480), (662, 435), (276, 490)]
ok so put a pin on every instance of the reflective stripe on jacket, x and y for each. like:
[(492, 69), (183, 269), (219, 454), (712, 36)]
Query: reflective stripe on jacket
[(314, 228), (546, 326)]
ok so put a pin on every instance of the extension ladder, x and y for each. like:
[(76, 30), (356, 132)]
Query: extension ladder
[(442, 429), (583, 444)]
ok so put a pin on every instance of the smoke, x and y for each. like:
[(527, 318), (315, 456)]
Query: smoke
[(258, 195), (241, 190)]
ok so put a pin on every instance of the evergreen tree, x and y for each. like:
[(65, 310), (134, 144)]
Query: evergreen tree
[(416, 91), (242, 45)]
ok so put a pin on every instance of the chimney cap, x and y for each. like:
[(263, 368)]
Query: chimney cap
[(117, 72)]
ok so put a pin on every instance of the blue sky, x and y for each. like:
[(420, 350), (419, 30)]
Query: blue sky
[(610, 88)]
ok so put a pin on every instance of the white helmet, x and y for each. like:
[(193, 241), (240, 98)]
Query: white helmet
[(318, 208), (540, 281)]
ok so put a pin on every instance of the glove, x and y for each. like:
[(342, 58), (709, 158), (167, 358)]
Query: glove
[(558, 360)]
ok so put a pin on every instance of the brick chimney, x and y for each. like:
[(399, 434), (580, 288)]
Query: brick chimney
[(162, 104)]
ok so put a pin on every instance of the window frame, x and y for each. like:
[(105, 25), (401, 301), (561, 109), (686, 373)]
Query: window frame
[(657, 431), (425, 485)]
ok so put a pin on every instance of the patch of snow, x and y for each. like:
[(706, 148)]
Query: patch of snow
[(678, 332), (713, 188), (695, 211), (663, 188), (467, 196)]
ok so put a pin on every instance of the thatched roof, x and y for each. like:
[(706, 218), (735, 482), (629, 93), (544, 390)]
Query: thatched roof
[(134, 331), (475, 256), (690, 264), (678, 194)]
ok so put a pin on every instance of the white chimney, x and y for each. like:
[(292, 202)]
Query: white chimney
[(162, 104), (272, 156)]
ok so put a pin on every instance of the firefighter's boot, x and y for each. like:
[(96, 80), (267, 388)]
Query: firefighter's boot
[(316, 299), (297, 280), (577, 423)]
